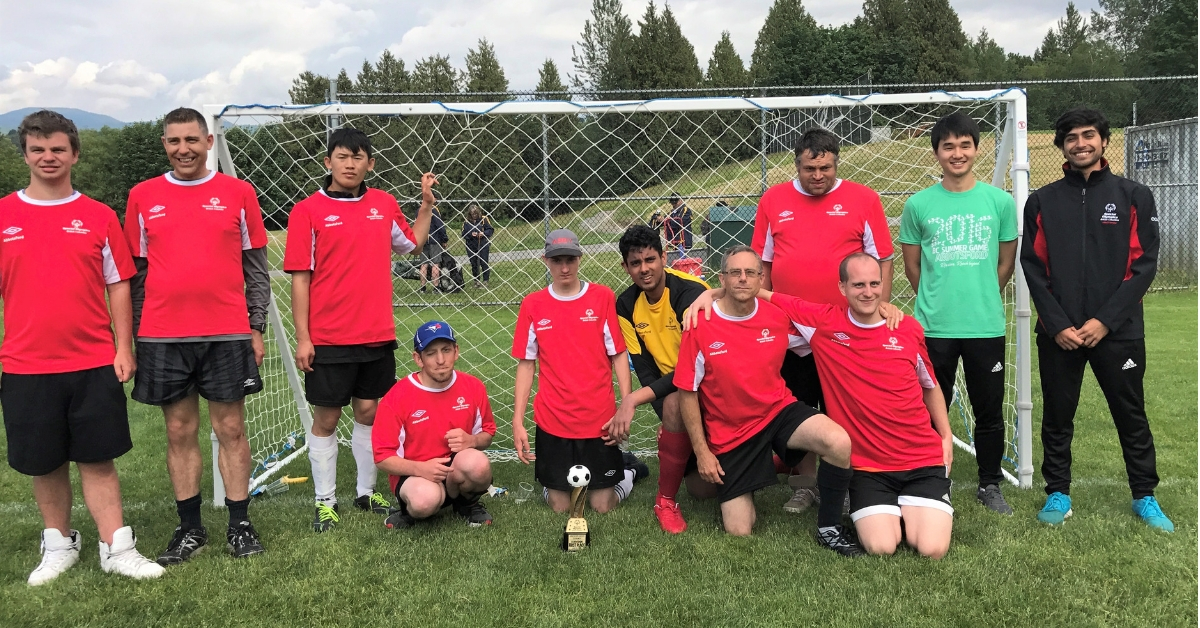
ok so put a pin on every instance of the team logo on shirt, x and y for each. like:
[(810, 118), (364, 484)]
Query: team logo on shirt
[(588, 316), (11, 232), (77, 227), (715, 346), (1110, 217), (841, 339), (544, 324), (214, 205), (785, 215), (766, 336), (419, 415), (332, 220), (837, 211), (892, 346), (462, 404), (156, 209), (375, 215)]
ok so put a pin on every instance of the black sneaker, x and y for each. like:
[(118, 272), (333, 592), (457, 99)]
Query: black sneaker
[(326, 517), (640, 470), (838, 539), (243, 540), (183, 545), (398, 519), (475, 513), (991, 497), (373, 503)]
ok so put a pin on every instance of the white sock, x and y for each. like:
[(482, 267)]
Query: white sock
[(364, 458), (322, 453), (624, 486)]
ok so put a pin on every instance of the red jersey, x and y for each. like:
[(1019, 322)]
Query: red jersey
[(412, 419), (806, 237), (733, 363), (56, 258), (193, 234), (347, 243), (573, 339), (872, 378)]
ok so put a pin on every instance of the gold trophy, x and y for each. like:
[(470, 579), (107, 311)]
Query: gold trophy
[(576, 535)]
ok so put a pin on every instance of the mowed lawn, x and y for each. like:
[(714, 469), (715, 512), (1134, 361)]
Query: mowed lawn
[(1103, 567)]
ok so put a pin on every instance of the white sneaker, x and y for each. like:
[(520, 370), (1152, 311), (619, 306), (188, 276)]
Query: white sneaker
[(58, 554), (123, 558)]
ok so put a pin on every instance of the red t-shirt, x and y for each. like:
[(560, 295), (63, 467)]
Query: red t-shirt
[(412, 420), (573, 339), (806, 237), (347, 244), (733, 363), (193, 234), (872, 378), (56, 257)]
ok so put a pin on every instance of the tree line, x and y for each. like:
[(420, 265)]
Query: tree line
[(892, 41)]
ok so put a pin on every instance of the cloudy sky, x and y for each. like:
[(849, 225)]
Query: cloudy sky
[(135, 59)]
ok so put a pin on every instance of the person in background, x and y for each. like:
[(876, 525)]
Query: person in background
[(477, 234)]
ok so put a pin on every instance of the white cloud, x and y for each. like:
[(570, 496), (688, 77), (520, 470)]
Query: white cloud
[(64, 81)]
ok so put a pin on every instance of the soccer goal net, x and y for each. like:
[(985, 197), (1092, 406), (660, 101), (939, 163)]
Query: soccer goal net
[(595, 167)]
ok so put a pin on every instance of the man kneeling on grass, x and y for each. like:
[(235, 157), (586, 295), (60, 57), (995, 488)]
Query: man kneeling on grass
[(430, 433)]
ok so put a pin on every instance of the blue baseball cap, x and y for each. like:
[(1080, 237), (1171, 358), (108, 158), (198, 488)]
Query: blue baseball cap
[(430, 331)]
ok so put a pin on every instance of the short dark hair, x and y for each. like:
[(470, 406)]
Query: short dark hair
[(45, 123), (674, 198), (957, 124), (1076, 118), (184, 115), (843, 274), (817, 141), (736, 250), (639, 237), (350, 139)]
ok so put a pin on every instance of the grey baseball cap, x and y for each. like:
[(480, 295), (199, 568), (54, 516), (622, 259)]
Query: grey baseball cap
[(562, 242)]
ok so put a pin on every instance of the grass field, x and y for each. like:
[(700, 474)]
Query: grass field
[(1102, 568)]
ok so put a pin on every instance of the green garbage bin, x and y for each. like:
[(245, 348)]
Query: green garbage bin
[(729, 226)]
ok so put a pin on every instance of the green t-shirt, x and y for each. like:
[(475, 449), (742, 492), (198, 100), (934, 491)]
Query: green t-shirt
[(960, 235)]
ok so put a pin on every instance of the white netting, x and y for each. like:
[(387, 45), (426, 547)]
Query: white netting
[(595, 168)]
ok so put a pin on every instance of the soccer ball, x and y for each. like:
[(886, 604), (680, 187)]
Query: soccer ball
[(578, 476)]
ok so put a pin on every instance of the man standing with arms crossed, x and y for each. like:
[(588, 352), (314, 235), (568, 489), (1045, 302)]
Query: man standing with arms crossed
[(803, 229), (1090, 255), (60, 253), (339, 247), (651, 314), (200, 308), (959, 239)]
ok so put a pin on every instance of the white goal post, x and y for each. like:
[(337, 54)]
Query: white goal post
[(595, 167)]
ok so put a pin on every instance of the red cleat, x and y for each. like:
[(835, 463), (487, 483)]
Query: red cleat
[(668, 515)]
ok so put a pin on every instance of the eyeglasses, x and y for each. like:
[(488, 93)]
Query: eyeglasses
[(741, 272)]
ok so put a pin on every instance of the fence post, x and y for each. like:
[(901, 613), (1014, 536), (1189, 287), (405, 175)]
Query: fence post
[(546, 182), (762, 145)]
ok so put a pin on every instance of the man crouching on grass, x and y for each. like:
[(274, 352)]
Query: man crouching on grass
[(430, 432)]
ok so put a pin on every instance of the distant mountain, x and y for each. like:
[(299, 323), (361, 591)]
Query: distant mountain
[(82, 119)]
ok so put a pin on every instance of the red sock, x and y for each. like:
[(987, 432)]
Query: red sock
[(779, 466), (674, 449)]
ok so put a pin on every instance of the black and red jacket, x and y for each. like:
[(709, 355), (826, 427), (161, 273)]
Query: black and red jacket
[(1090, 250)]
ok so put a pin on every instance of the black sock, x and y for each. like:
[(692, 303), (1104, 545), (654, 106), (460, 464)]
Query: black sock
[(832, 482), (237, 510), (189, 512)]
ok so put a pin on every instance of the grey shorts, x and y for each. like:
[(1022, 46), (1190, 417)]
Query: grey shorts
[(431, 253)]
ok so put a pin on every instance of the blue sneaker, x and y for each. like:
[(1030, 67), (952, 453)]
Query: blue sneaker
[(1148, 509), (1057, 508)]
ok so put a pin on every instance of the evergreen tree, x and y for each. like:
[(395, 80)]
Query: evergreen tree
[(786, 20), (309, 88), (1122, 22), (1070, 51), (938, 40), (682, 66), (343, 82), (484, 73), (14, 174), (390, 74), (1168, 48), (549, 82), (892, 45), (367, 79), (435, 74), (725, 67), (601, 56)]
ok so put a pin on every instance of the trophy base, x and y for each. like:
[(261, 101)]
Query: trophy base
[(576, 535)]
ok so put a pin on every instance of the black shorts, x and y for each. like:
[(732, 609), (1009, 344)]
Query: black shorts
[(749, 466), (800, 375), (51, 419), (884, 492), (556, 455), (220, 370), (446, 500), (332, 385)]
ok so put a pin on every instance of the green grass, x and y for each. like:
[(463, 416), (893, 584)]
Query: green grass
[(1102, 568)]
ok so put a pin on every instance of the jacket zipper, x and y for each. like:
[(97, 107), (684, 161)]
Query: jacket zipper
[(1083, 244)]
